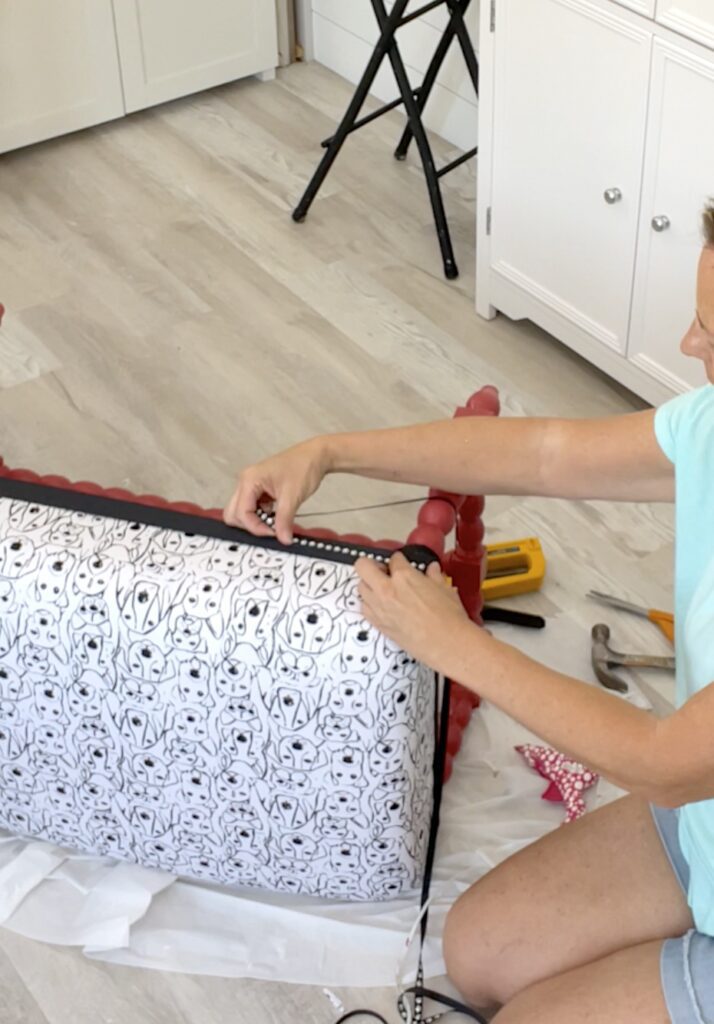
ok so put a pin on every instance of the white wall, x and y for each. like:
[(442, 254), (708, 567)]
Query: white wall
[(344, 35)]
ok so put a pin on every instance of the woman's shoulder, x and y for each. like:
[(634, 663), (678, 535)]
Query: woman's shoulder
[(686, 421)]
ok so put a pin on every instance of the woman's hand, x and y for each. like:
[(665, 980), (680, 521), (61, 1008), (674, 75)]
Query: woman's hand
[(286, 480), (419, 611)]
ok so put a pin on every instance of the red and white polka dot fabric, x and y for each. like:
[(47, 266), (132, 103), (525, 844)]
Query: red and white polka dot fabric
[(568, 778)]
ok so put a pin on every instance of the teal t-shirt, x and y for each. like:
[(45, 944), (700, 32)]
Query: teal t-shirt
[(685, 431)]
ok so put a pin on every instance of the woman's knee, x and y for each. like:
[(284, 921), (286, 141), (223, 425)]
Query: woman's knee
[(476, 961)]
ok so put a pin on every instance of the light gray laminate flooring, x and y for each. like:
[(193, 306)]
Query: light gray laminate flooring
[(168, 323)]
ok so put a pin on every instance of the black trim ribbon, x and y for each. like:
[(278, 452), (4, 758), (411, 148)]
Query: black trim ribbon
[(182, 522)]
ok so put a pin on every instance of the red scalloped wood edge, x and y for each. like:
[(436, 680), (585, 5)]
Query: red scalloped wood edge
[(437, 517), (187, 507)]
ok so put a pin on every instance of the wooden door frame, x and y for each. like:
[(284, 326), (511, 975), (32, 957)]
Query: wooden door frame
[(303, 27), (285, 17)]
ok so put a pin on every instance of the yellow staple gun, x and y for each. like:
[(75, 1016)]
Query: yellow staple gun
[(513, 567)]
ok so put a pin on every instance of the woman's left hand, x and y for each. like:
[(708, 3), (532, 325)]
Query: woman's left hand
[(419, 611)]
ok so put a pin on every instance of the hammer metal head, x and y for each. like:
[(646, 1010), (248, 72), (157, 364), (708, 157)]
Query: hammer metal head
[(604, 659), (602, 662)]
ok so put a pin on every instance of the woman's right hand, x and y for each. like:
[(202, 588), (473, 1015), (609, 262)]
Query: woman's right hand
[(286, 480)]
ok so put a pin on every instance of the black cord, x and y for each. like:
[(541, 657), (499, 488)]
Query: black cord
[(439, 997), (381, 504), (361, 1013), (418, 991)]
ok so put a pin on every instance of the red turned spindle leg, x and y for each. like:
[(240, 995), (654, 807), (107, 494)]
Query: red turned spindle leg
[(466, 565)]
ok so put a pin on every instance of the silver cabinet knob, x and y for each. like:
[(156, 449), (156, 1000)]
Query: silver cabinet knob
[(612, 195), (661, 223)]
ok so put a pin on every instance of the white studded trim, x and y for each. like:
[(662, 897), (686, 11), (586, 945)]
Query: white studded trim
[(305, 542)]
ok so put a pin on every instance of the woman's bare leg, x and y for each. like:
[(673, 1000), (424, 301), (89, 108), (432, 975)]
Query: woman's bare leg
[(583, 892), (623, 988)]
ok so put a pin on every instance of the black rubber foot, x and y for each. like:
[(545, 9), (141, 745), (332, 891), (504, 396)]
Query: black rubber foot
[(398, 155), (451, 271), (298, 217)]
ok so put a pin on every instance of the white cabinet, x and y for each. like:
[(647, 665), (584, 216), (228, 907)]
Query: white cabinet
[(693, 18), (68, 64), (646, 7), (58, 68), (170, 48), (678, 179), (566, 172), (595, 162)]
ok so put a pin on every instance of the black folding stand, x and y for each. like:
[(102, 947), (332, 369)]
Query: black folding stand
[(414, 101)]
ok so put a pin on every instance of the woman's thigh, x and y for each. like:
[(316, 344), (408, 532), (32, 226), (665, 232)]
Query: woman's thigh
[(580, 893), (623, 988)]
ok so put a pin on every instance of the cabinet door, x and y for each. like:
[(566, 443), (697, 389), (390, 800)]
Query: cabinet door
[(679, 177), (570, 89), (694, 18), (646, 7), (170, 48), (58, 68)]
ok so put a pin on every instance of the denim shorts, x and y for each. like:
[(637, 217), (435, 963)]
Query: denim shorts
[(687, 963)]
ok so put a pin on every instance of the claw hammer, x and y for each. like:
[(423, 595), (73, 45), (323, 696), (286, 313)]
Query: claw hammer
[(605, 659)]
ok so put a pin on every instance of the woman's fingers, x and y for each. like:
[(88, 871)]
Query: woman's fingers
[(285, 480), (434, 571), (252, 522), (249, 496), (242, 508), (398, 563), (285, 508), (230, 512), (371, 573)]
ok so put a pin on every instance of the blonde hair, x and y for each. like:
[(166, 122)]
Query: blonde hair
[(708, 224)]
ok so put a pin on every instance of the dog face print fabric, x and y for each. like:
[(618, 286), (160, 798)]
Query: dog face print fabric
[(214, 709)]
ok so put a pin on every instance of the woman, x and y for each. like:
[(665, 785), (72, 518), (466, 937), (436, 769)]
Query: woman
[(609, 920)]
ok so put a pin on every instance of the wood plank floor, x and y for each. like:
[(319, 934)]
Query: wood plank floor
[(168, 323)]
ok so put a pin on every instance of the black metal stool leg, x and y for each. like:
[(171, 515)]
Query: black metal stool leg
[(426, 86), (432, 179), (414, 101), (458, 9), (388, 28)]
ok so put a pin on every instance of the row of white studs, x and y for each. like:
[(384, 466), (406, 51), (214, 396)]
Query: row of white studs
[(320, 545)]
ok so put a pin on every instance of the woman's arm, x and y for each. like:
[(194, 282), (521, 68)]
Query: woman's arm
[(669, 761), (616, 458), (684, 741), (623, 743)]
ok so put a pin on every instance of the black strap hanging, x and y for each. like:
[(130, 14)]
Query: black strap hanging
[(417, 992)]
